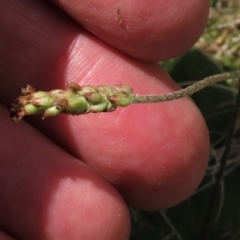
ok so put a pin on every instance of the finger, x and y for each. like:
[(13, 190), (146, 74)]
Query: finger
[(149, 30), (154, 157), (4, 236), (47, 194)]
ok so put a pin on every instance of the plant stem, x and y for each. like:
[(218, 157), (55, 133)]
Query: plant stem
[(78, 99), (186, 91)]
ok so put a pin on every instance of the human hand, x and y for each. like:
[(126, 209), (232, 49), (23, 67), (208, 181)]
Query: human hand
[(154, 155)]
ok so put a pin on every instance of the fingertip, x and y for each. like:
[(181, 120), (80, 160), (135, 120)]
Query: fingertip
[(155, 154), (155, 30), (87, 209)]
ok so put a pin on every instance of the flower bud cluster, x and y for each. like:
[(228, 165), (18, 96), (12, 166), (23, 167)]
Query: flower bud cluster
[(75, 100)]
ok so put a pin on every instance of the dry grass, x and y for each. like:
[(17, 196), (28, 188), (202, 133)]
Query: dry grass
[(221, 38)]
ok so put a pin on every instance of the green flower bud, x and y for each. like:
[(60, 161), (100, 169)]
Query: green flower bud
[(51, 112), (76, 105)]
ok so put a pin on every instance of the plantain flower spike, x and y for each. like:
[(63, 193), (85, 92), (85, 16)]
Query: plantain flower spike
[(88, 99), (75, 100)]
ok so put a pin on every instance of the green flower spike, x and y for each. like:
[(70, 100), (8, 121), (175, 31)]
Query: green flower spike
[(75, 100), (89, 99)]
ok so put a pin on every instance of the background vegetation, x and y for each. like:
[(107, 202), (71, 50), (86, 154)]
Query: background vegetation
[(216, 51)]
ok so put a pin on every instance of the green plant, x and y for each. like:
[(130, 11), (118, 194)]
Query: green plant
[(85, 99)]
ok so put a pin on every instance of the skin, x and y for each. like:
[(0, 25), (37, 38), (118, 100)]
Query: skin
[(72, 177)]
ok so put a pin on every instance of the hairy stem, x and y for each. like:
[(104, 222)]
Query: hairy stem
[(186, 91)]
